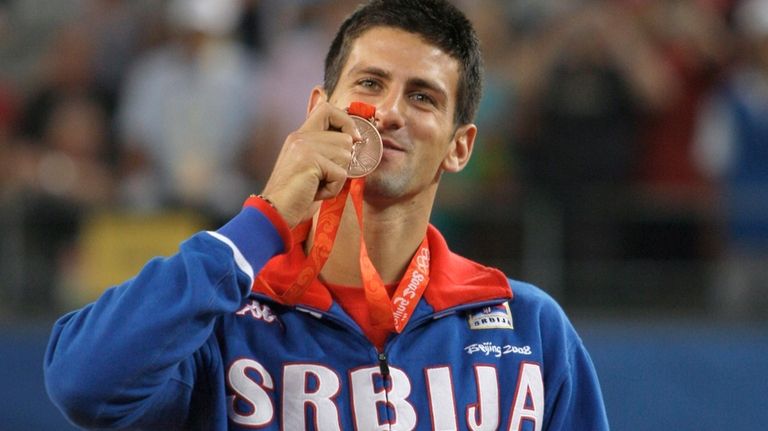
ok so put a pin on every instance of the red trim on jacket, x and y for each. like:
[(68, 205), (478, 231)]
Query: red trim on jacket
[(271, 213), (454, 280)]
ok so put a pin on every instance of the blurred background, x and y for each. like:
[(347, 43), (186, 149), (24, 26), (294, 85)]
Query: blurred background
[(622, 165)]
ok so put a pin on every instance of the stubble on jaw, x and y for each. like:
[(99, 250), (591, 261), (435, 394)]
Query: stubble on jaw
[(389, 184)]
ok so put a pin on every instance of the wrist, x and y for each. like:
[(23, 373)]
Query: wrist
[(267, 207)]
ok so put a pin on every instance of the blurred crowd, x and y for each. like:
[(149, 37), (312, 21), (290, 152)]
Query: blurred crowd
[(622, 158)]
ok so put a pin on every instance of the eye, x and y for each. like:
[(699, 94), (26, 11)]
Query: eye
[(423, 98), (369, 83)]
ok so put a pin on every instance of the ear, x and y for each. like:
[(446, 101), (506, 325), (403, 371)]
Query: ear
[(316, 97), (460, 149)]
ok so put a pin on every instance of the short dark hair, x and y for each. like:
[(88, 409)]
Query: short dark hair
[(437, 21)]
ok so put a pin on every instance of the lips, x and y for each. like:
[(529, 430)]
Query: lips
[(391, 145)]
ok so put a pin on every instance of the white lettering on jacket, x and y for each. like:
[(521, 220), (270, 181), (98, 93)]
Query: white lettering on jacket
[(484, 416), (529, 398), (259, 410), (366, 398), (310, 393), (442, 406), (306, 385)]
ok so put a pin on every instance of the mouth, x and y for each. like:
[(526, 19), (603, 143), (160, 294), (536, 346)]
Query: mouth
[(391, 145)]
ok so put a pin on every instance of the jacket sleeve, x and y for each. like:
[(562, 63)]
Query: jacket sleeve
[(110, 362), (573, 400), (577, 403)]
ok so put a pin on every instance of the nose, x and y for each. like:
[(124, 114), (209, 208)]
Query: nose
[(389, 112)]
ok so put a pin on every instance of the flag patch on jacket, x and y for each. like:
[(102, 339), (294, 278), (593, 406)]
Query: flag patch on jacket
[(493, 317)]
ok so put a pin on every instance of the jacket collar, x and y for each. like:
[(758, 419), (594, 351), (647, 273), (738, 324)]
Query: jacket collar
[(454, 280)]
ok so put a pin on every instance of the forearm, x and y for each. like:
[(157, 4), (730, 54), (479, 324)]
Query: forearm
[(126, 345)]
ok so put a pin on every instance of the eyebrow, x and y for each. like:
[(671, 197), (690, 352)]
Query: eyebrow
[(412, 82)]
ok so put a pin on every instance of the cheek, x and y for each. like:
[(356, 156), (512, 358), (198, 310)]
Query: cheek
[(428, 129), (431, 136)]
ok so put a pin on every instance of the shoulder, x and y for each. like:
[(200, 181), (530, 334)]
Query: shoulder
[(536, 311), (534, 300)]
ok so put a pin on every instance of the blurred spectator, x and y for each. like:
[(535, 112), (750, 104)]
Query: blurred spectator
[(692, 37), (57, 152), (673, 201), (56, 183), (67, 71), (591, 76), (117, 30), (732, 147), (187, 110), (70, 161)]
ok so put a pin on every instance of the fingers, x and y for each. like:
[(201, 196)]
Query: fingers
[(313, 163), (328, 117), (334, 146), (334, 181)]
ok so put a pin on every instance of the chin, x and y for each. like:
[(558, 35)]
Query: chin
[(386, 185)]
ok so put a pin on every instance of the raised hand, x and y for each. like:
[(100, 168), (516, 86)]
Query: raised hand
[(312, 165)]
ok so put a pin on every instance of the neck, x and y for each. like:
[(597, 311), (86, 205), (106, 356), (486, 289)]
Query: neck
[(392, 235)]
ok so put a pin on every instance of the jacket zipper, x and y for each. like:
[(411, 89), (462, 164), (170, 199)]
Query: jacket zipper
[(383, 365)]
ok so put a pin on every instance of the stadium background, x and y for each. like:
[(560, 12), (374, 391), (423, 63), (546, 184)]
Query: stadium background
[(598, 174)]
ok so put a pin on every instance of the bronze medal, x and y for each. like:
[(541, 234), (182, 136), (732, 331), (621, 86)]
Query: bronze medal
[(366, 153)]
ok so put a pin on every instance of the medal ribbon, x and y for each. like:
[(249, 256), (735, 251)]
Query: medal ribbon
[(386, 313), (391, 314)]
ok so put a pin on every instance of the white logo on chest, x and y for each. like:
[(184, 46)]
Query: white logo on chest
[(257, 311), (487, 348)]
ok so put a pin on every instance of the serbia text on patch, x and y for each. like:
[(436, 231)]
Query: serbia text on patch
[(493, 317)]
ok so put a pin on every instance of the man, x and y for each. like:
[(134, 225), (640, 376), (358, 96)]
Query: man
[(213, 339)]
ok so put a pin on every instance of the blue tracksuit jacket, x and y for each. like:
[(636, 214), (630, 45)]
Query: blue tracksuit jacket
[(187, 344)]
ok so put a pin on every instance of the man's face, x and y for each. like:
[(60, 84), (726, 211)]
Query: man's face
[(413, 86)]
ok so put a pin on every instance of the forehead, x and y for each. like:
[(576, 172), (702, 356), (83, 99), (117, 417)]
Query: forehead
[(404, 55)]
